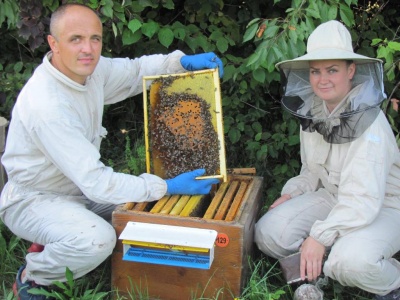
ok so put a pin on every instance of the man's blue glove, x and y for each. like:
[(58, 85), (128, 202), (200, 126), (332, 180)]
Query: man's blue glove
[(202, 61), (187, 184)]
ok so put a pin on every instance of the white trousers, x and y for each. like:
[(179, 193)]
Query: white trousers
[(362, 258), (73, 230)]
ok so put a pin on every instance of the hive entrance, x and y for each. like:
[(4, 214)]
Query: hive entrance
[(183, 123)]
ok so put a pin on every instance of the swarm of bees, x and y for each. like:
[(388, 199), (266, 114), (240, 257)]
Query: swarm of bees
[(181, 132)]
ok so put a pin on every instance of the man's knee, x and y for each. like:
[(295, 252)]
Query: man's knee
[(98, 242)]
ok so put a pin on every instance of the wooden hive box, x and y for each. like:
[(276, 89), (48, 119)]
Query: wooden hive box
[(230, 210)]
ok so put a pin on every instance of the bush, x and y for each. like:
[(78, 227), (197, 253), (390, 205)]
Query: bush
[(249, 36)]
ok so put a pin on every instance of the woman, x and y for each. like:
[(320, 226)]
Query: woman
[(347, 196)]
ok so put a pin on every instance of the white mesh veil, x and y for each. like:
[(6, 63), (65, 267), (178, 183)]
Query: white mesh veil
[(354, 114)]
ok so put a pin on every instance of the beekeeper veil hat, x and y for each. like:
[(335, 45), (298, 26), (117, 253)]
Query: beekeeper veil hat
[(356, 112)]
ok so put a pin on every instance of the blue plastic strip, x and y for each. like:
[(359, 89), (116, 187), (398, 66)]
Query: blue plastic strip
[(178, 259)]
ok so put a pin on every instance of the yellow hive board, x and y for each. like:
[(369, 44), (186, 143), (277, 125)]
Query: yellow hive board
[(184, 124)]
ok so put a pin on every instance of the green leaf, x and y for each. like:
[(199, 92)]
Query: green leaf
[(293, 140), (394, 46), (180, 33), (253, 58), (271, 31), (134, 25), (390, 73), (258, 136), (115, 30), (234, 135), (150, 3), (346, 14), (252, 22), (250, 32), (376, 42), (60, 285), (222, 45), (383, 52), (70, 277), (332, 12), (348, 2), (107, 11), (229, 72), (129, 38), (169, 4), (293, 35), (259, 75), (216, 34), (120, 16), (262, 153), (165, 36), (9, 11), (18, 67), (313, 12), (278, 54), (204, 43), (257, 127), (137, 7), (150, 28)]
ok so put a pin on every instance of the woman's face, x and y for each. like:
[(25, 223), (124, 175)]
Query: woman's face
[(331, 80)]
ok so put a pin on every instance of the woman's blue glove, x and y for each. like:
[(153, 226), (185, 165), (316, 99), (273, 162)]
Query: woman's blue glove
[(187, 184), (202, 61)]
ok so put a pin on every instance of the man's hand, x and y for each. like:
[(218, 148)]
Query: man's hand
[(202, 61), (312, 253), (187, 184)]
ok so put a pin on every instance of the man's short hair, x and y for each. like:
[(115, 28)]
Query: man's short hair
[(60, 11)]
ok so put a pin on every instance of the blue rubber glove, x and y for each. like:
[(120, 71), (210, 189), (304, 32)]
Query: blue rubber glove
[(202, 61), (187, 184)]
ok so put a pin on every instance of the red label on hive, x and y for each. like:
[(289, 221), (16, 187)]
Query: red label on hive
[(222, 240)]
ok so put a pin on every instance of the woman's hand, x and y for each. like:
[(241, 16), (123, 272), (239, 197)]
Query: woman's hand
[(280, 200), (312, 254)]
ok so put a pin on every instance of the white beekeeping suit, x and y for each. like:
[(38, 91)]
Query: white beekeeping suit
[(52, 156), (347, 195)]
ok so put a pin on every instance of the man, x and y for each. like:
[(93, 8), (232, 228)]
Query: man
[(59, 192)]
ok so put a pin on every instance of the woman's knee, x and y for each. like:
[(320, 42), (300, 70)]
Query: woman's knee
[(351, 265), (275, 236)]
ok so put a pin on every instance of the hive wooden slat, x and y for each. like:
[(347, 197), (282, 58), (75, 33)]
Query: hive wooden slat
[(140, 206), (192, 205), (159, 204), (170, 204), (219, 195), (236, 201), (128, 205), (223, 208), (178, 207)]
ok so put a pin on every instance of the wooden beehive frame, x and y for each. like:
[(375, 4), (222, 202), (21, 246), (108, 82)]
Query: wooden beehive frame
[(203, 84), (226, 203)]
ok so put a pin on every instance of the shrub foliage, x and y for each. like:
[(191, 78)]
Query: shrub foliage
[(250, 37)]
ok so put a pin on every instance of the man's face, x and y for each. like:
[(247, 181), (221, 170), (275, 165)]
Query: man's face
[(77, 43), (331, 80)]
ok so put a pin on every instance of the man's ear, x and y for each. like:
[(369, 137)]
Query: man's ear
[(52, 43)]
